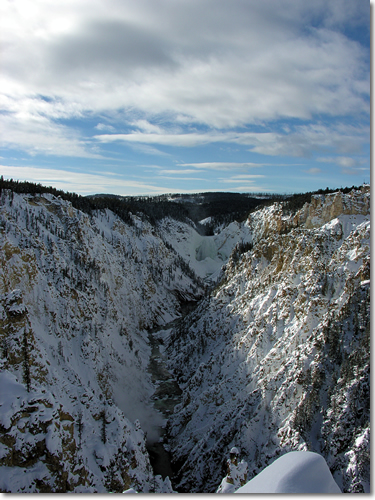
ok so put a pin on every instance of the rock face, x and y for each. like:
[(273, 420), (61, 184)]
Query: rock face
[(277, 359), (46, 438), (324, 208)]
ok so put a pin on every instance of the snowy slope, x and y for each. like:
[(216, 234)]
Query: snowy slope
[(300, 472), (277, 359), (77, 293)]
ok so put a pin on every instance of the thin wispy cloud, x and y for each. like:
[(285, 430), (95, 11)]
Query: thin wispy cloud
[(314, 171), (242, 178), (146, 149), (105, 127), (163, 139), (181, 178), (250, 188), (179, 171), (343, 161), (301, 142), (82, 182), (38, 135), (188, 83), (222, 165)]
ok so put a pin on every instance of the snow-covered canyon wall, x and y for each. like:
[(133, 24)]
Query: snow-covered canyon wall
[(77, 294), (278, 358)]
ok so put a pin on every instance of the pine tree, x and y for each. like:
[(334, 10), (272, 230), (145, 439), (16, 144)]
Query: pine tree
[(104, 422), (26, 361)]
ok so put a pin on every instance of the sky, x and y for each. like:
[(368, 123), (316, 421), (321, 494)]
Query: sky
[(145, 97)]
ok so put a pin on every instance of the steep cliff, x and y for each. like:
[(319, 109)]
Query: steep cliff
[(277, 359)]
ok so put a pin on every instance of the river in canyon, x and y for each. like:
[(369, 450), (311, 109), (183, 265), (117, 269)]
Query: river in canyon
[(167, 394)]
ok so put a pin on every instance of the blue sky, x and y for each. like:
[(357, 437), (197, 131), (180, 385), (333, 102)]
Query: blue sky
[(158, 96)]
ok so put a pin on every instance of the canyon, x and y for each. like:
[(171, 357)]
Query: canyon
[(127, 338)]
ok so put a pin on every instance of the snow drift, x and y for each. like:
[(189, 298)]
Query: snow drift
[(300, 472)]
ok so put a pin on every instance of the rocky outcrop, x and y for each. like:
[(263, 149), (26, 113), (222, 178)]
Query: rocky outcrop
[(42, 446), (324, 208)]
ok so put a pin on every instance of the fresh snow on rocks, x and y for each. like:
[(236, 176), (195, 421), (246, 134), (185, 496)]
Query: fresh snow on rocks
[(205, 254)]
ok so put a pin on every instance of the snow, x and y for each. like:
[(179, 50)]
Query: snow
[(207, 220), (236, 474), (24, 477), (84, 291), (302, 472), (205, 254), (11, 393), (160, 486), (207, 249)]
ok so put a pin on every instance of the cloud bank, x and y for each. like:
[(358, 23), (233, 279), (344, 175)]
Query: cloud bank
[(82, 78)]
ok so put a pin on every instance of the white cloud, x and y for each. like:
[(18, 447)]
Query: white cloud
[(242, 178), (301, 141), (178, 178), (147, 149), (222, 165), (81, 182), (243, 183), (163, 139), (105, 127), (147, 127), (37, 134), (314, 171), (305, 140), (213, 62), (178, 171), (343, 161), (250, 188), (355, 171)]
